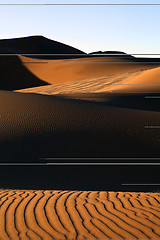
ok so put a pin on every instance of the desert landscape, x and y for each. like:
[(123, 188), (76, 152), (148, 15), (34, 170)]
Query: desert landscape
[(72, 104), (58, 102)]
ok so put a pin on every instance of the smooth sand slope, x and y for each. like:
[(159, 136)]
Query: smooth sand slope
[(139, 81), (146, 82), (29, 214), (61, 71), (35, 125), (14, 75), (35, 61), (87, 85)]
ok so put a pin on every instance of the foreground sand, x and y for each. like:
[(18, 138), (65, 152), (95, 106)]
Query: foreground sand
[(29, 214), (35, 126)]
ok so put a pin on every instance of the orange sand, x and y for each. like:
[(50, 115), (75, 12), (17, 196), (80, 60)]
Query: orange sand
[(34, 126), (29, 214), (60, 71), (137, 81)]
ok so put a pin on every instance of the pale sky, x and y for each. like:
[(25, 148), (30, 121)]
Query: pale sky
[(132, 29)]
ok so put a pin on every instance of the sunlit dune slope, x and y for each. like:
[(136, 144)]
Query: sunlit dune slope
[(139, 81), (13, 74), (60, 71), (36, 61), (19, 72), (146, 81), (29, 214), (86, 85), (35, 125)]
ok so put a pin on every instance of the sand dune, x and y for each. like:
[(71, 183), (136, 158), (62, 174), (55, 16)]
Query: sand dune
[(40, 46), (91, 106), (50, 62), (35, 125), (139, 81), (19, 72), (61, 71), (87, 85), (29, 214), (13, 75), (147, 81)]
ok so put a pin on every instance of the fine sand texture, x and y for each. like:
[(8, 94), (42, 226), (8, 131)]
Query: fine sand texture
[(31, 214), (35, 126), (58, 103)]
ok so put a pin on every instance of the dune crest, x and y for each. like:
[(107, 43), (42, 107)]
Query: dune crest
[(41, 61), (147, 81), (139, 81), (87, 85), (119, 120), (38, 46), (61, 71)]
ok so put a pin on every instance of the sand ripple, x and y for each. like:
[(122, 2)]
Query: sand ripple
[(29, 214)]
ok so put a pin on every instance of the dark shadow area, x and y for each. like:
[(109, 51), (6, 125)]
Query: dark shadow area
[(93, 139), (147, 102), (148, 60), (141, 101), (40, 47), (15, 76), (85, 144), (89, 178)]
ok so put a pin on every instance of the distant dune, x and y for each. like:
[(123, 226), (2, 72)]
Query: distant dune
[(40, 61), (94, 98), (14, 74), (111, 54), (40, 46), (29, 214)]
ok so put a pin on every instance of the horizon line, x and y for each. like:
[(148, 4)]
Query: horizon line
[(93, 53)]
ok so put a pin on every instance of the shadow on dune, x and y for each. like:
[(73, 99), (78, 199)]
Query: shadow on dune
[(15, 76), (147, 102), (107, 138), (141, 101), (56, 127)]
